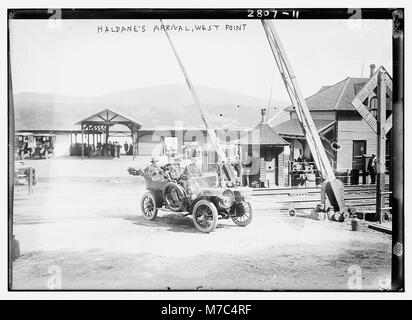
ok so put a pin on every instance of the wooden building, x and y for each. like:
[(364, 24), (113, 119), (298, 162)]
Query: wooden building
[(265, 155), (338, 121)]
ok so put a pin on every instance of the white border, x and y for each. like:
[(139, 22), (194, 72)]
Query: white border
[(4, 294)]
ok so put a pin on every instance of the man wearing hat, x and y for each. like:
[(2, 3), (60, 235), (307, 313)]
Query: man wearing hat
[(175, 168), (372, 168), (153, 169), (174, 171)]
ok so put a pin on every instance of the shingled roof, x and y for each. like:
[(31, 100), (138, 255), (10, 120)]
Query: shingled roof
[(292, 127), (263, 134), (335, 97)]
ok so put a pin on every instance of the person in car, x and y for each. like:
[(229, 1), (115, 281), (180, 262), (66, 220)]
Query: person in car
[(154, 169)]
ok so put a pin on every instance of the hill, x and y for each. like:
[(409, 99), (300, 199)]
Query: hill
[(153, 106)]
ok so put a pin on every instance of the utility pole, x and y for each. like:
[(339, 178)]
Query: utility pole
[(381, 157)]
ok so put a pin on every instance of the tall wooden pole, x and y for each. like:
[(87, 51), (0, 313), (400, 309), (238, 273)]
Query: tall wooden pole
[(133, 143), (381, 156), (137, 142), (82, 143)]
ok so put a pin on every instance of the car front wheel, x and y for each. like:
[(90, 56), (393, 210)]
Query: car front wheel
[(243, 214), (205, 216)]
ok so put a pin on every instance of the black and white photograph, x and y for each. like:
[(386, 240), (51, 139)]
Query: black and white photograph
[(217, 149)]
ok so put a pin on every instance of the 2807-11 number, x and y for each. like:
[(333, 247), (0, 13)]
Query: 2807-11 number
[(271, 13)]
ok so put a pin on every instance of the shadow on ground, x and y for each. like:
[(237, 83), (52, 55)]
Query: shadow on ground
[(171, 222)]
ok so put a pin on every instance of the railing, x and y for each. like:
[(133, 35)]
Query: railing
[(306, 174)]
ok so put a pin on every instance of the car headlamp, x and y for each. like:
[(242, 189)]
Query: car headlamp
[(227, 198)]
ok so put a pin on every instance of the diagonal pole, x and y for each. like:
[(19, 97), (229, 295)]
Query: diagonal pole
[(302, 110), (210, 131)]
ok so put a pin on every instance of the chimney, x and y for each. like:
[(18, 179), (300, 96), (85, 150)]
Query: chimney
[(372, 66), (263, 112)]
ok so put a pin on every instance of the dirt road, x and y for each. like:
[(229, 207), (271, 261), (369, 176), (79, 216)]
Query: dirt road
[(83, 220)]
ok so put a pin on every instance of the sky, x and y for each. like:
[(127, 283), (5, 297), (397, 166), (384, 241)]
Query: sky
[(75, 57)]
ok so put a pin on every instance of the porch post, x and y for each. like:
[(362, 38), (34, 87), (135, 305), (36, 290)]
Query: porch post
[(137, 142), (133, 143), (82, 143)]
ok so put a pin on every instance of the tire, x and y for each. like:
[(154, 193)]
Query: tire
[(148, 206), (180, 192), (246, 218), (205, 216)]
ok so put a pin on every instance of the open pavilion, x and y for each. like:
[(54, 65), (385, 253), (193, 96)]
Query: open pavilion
[(98, 127)]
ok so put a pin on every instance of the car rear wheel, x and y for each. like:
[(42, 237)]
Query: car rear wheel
[(148, 206), (205, 216), (243, 214)]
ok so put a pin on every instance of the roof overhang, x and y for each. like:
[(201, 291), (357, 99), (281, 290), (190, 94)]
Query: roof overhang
[(108, 117)]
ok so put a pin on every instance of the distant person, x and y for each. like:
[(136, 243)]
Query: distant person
[(118, 147), (126, 147), (237, 166), (372, 168), (112, 149), (246, 168), (130, 151)]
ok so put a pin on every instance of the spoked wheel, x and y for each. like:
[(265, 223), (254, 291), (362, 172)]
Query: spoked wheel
[(149, 208), (205, 216), (243, 214)]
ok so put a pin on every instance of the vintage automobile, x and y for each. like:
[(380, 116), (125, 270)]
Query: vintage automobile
[(22, 173), (42, 152), (200, 198)]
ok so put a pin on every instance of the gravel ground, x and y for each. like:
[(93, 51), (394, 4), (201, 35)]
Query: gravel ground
[(83, 220)]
